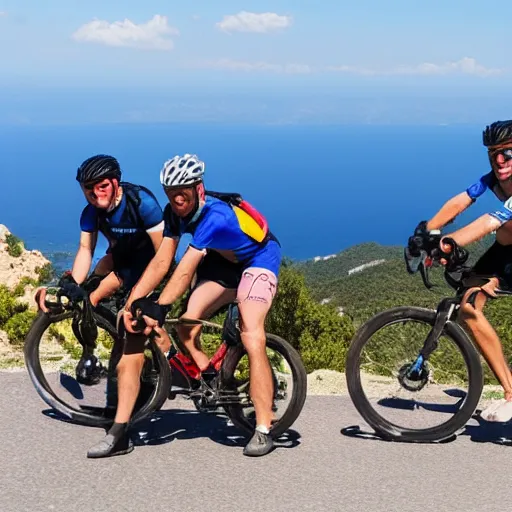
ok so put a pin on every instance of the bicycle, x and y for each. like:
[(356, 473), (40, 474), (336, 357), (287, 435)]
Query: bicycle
[(230, 391), (443, 341)]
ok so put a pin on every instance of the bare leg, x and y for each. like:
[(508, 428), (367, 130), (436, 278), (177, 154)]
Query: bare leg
[(253, 315), (487, 339), (207, 297), (129, 370), (105, 265), (255, 295), (108, 286)]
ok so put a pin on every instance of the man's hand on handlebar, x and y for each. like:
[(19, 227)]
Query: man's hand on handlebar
[(67, 287), (40, 299), (453, 256), (144, 316)]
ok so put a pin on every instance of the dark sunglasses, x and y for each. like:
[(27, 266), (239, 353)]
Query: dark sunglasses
[(506, 153), (92, 186), (178, 187)]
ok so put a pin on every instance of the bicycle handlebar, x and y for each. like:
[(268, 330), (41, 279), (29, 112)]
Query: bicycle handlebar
[(423, 251)]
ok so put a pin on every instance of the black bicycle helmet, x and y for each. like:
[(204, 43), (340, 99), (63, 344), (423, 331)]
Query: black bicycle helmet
[(498, 132), (97, 168)]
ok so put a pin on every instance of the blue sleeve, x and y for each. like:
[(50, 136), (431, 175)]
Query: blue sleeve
[(171, 223), (207, 230), (478, 188), (150, 210), (89, 219)]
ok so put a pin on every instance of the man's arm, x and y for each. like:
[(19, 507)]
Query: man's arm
[(482, 226), (451, 209), (83, 258), (182, 276), (155, 271), (157, 235)]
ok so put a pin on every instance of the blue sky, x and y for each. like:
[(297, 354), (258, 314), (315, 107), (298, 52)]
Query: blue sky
[(158, 42), (266, 61)]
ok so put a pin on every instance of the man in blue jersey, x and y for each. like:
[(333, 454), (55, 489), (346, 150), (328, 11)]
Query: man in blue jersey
[(131, 219), (494, 269), (228, 264)]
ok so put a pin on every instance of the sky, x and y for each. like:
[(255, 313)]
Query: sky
[(459, 47), (152, 41)]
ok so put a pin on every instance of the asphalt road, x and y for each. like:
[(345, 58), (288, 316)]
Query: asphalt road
[(186, 461)]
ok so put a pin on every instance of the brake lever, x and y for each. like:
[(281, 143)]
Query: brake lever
[(425, 265), (57, 306)]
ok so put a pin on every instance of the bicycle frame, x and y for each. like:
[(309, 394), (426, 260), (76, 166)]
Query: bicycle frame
[(446, 310)]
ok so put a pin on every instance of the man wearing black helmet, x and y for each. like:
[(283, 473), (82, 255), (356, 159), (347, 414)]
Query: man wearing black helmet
[(226, 260), (131, 219), (494, 269)]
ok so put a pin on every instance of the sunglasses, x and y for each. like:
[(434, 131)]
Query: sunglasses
[(92, 186), (506, 153)]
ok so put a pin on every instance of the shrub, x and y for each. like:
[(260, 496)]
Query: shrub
[(25, 281), (9, 306), (317, 331), (46, 273), (18, 326), (14, 245)]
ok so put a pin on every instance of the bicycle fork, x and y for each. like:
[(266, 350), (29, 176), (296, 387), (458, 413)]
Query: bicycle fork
[(444, 313)]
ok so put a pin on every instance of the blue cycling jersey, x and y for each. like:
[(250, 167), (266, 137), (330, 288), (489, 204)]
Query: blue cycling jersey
[(217, 228), (126, 226), (489, 181)]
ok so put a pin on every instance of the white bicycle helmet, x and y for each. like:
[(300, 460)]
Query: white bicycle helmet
[(182, 171)]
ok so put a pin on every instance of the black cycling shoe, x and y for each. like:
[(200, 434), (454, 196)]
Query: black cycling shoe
[(260, 444), (89, 370), (110, 446), (116, 442)]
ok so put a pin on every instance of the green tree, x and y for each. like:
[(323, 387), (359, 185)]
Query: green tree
[(316, 330)]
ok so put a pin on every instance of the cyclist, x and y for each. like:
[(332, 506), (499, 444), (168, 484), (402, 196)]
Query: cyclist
[(227, 264), (131, 219), (494, 269)]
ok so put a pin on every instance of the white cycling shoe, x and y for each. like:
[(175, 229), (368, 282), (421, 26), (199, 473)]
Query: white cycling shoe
[(499, 411)]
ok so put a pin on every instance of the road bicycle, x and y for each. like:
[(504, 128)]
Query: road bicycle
[(51, 360), (413, 373)]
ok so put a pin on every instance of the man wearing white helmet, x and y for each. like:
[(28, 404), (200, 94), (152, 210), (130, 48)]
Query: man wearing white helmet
[(228, 264)]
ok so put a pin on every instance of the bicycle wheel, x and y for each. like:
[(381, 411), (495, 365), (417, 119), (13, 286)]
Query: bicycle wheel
[(435, 405), (290, 385), (51, 354)]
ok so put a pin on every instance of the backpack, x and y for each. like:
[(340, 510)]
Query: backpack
[(132, 217), (251, 221), (133, 201)]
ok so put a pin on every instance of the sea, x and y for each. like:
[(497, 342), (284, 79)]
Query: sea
[(322, 188)]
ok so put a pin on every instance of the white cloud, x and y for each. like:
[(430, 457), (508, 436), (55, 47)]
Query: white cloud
[(154, 34), (236, 65), (352, 69), (3, 13), (466, 66), (253, 22)]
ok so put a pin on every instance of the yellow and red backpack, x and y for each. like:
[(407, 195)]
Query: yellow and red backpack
[(251, 221)]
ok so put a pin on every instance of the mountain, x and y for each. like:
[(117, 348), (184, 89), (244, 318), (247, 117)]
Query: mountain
[(367, 278)]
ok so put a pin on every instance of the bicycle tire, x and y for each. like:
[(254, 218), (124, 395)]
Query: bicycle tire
[(299, 376), (387, 429), (91, 416)]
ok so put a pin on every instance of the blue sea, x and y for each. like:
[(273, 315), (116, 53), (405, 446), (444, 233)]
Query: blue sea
[(322, 188)]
